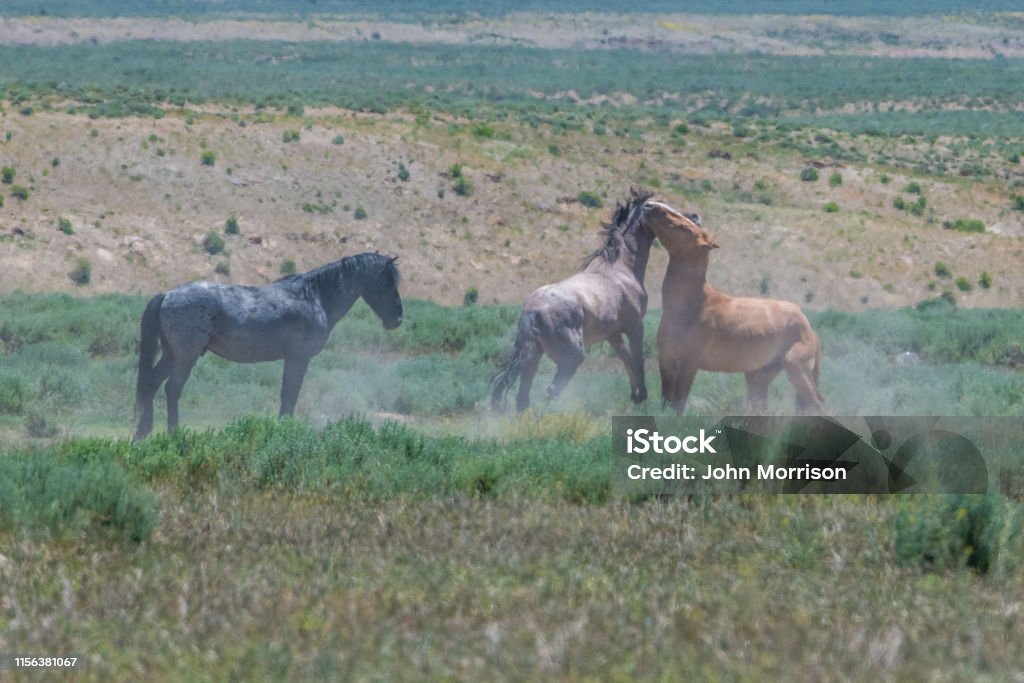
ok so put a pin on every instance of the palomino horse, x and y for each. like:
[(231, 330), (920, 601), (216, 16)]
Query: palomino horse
[(290, 319), (703, 328), (605, 300)]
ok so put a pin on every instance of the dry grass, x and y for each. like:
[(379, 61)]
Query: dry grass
[(288, 587)]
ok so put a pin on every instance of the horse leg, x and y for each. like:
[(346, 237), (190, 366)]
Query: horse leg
[(807, 396), (801, 363), (676, 382), (638, 387), (757, 387), (294, 373), (635, 334), (176, 379), (568, 353), (527, 372), (160, 372)]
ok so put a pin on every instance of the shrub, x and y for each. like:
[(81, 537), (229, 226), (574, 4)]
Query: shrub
[(681, 129), (955, 531), (7, 174), (967, 225), (19, 192), (554, 150), (1017, 201), (986, 280), (231, 226), (39, 426), (12, 395), (290, 136), (912, 188), (55, 162), (884, 179), (831, 207), (44, 490), (64, 225), (81, 275), (338, 140), (403, 172), (835, 180), (942, 270), (208, 158), (963, 284), (360, 213), (223, 268), (809, 174), (472, 294), (455, 171), (213, 243), (590, 199), (463, 187), (482, 130), (288, 267), (899, 203)]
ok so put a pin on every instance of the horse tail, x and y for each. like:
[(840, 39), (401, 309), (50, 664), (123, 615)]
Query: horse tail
[(151, 336), (816, 373), (526, 346)]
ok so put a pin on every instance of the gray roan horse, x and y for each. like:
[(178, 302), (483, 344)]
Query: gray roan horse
[(605, 300), (290, 319)]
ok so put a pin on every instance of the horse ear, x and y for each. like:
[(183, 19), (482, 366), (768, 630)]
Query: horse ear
[(393, 259), (706, 240)]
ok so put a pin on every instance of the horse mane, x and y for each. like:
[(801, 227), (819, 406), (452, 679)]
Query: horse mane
[(349, 266), (615, 231)]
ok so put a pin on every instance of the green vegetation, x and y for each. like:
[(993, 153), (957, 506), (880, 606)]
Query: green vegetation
[(831, 207), (19, 192), (809, 174), (7, 174), (403, 172), (489, 82), (349, 498), (208, 158), (966, 225), (942, 270), (64, 225), (835, 180), (590, 200), (290, 136), (231, 226), (213, 243), (985, 281), (81, 274), (288, 267), (360, 213)]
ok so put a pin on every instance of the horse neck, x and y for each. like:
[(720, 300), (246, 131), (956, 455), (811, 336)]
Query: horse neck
[(338, 291), (685, 281), (636, 252)]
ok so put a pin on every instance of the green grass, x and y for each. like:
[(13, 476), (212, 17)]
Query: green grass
[(495, 82), (344, 547)]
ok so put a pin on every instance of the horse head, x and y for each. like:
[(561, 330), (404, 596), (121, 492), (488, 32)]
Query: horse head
[(381, 293), (680, 233)]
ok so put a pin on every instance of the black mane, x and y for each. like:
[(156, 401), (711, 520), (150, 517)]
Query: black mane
[(621, 224)]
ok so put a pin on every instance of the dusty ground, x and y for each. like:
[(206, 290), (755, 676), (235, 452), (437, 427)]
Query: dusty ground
[(140, 204)]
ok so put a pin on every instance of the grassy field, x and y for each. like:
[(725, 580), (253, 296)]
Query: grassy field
[(862, 159)]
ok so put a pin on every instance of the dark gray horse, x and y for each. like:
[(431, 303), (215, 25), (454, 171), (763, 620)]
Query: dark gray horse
[(605, 300), (290, 319)]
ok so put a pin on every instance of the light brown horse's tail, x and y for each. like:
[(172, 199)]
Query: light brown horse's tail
[(527, 345), (817, 371)]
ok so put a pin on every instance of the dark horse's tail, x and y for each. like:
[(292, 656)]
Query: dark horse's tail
[(151, 335), (526, 346)]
